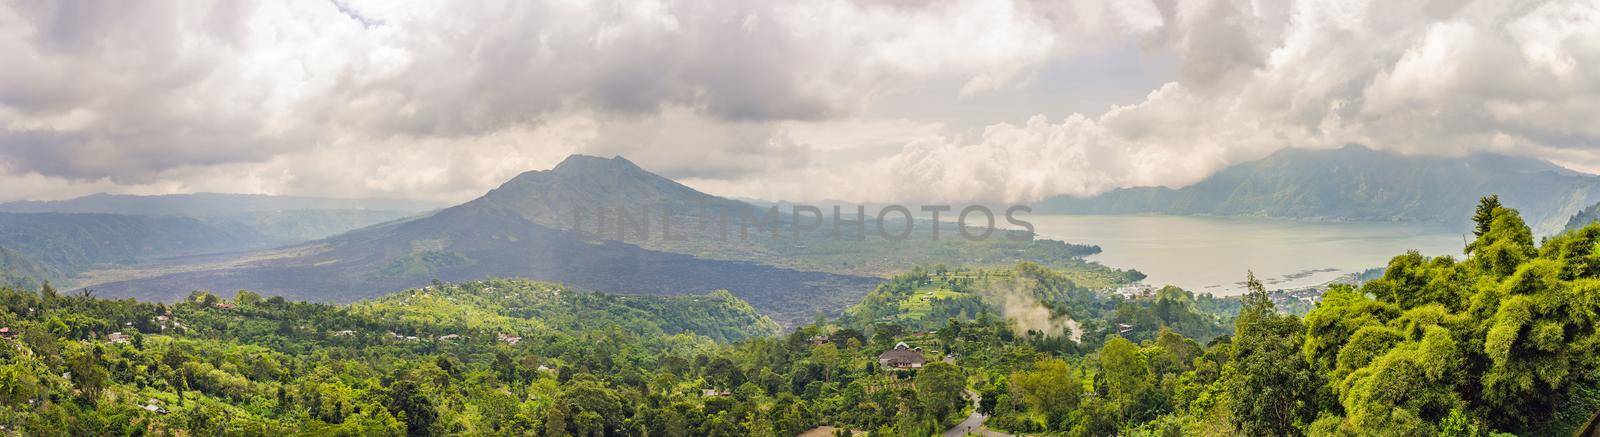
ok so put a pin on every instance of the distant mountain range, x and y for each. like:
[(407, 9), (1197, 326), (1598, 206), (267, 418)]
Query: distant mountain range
[(210, 204), (1355, 183), (262, 220), (72, 243)]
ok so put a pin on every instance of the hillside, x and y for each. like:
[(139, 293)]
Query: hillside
[(531, 308), (281, 220), (302, 225), (207, 204), (18, 271), (72, 243), (1426, 349), (1051, 305), (209, 365), (1359, 184), (515, 231), (1583, 218)]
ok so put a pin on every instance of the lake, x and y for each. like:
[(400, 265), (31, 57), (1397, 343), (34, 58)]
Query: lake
[(1211, 255)]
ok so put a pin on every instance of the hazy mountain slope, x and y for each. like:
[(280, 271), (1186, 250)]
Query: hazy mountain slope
[(18, 271), (205, 204), (1583, 218), (1356, 183), (74, 242), (281, 219), (296, 226)]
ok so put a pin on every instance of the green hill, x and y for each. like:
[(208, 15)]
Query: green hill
[(253, 366), (1360, 184)]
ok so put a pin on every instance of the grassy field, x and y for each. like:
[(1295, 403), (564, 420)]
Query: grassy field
[(920, 302)]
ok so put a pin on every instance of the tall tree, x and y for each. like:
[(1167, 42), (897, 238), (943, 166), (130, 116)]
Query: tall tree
[(406, 397), (1127, 378), (939, 388), (1485, 214), (1272, 385)]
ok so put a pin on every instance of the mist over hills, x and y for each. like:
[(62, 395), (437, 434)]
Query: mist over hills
[(277, 220), (71, 243), (19, 271), (1355, 183), (210, 204)]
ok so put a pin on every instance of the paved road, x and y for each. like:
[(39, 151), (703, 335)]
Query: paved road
[(973, 425)]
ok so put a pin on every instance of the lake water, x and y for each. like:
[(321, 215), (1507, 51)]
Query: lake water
[(1211, 255)]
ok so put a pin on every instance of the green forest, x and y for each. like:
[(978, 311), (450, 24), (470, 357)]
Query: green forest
[(1500, 340)]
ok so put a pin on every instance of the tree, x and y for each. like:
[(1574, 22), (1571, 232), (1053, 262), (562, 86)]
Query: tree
[(1507, 244), (949, 333), (20, 380), (246, 297), (1342, 311), (47, 293), (89, 373), (1051, 387), (1128, 379), (1485, 214), (1271, 385), (941, 389), (1406, 390), (555, 420), (406, 397), (828, 356)]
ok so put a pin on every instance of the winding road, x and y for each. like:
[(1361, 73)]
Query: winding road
[(973, 425)]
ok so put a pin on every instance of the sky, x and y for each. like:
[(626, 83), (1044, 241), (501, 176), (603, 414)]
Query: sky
[(868, 101)]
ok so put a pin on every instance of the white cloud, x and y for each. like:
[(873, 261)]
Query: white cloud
[(764, 99), (1493, 76)]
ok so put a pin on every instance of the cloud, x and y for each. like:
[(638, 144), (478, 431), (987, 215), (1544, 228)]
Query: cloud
[(139, 93), (1429, 78), (791, 100)]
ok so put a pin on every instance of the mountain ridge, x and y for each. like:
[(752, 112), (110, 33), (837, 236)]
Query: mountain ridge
[(280, 220), (73, 242), (1355, 183), (206, 203)]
